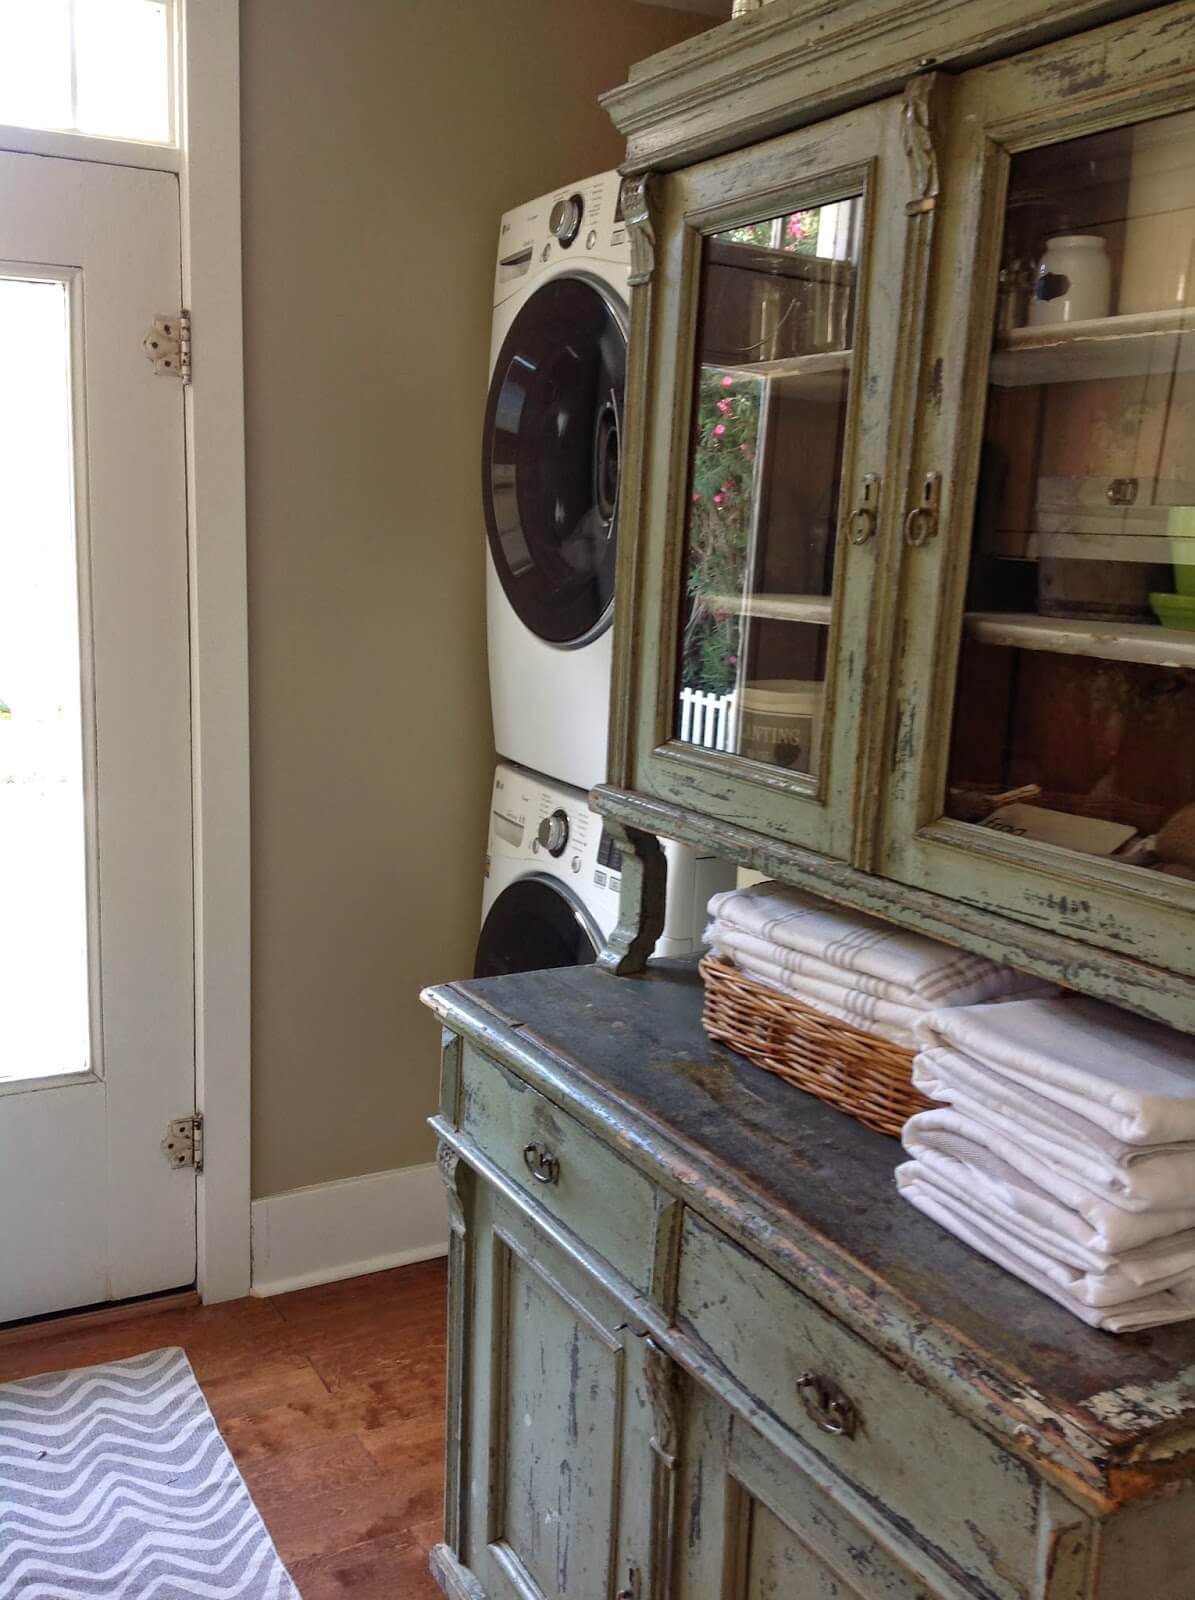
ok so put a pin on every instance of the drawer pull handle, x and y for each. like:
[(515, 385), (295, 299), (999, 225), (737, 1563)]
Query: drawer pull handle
[(541, 1163), (827, 1405)]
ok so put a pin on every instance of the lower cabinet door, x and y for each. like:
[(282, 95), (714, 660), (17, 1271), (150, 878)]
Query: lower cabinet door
[(755, 1526), (558, 1464)]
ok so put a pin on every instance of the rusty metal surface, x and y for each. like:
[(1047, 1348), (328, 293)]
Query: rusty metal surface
[(813, 1193)]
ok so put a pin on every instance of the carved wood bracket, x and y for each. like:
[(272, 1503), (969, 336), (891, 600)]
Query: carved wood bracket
[(640, 901), (663, 1378), (637, 204), (921, 132)]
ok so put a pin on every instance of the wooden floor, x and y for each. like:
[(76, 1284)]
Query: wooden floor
[(332, 1402)]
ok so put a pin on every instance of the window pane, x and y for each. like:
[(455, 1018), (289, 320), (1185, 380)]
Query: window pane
[(123, 66), (776, 319), (44, 1027), (35, 63), (1075, 704), (110, 77)]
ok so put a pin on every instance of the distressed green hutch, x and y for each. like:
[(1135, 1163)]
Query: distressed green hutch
[(906, 617)]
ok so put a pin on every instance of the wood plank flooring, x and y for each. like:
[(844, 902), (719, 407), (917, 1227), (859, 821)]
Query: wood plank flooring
[(332, 1402)]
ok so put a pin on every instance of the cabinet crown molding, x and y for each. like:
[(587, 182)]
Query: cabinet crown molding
[(796, 61)]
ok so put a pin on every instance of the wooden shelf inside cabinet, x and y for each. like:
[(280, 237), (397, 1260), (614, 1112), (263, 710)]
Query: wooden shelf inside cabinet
[(1133, 345), (821, 364), (813, 608), (1109, 641)]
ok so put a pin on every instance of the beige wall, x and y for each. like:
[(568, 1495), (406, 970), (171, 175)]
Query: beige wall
[(382, 140)]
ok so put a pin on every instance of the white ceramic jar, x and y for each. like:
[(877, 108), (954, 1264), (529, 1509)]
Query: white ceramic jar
[(1074, 280)]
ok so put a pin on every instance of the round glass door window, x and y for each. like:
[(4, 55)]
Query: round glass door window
[(552, 457), (533, 925)]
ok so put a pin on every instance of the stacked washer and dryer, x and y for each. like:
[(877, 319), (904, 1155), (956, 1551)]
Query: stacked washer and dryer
[(550, 482)]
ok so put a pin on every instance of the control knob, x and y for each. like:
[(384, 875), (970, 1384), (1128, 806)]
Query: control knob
[(553, 833), (564, 219)]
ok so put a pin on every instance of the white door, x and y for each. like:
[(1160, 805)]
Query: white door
[(96, 944)]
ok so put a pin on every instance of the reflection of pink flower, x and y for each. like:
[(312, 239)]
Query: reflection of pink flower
[(729, 484), (728, 382), (719, 499), (796, 227), (721, 616), (696, 499), (732, 661), (719, 430), (724, 407)]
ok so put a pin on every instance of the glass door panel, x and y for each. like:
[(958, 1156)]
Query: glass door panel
[(760, 526), (775, 327), (1074, 715), (44, 986)]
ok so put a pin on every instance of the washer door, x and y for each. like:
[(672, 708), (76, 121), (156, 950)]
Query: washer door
[(534, 924), (551, 459)]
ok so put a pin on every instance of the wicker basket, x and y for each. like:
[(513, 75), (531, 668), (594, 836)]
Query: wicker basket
[(853, 1071)]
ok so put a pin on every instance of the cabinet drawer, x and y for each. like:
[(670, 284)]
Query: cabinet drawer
[(581, 1182), (933, 1474)]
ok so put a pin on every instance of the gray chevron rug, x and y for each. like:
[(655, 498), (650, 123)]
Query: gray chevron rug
[(114, 1481)]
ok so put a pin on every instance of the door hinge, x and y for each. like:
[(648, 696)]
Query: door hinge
[(168, 345), (183, 1144)]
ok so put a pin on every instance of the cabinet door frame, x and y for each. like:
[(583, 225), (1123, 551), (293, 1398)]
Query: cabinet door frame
[(500, 1238), (730, 1474), (1123, 73), (859, 153)]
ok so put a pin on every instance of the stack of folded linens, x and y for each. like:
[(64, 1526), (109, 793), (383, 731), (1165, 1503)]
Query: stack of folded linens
[(1064, 1150), (850, 966)]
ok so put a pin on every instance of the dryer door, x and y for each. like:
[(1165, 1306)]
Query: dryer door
[(535, 924), (551, 456)]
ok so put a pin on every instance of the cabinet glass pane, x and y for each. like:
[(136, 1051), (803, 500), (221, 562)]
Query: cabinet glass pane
[(776, 316), (1074, 719)]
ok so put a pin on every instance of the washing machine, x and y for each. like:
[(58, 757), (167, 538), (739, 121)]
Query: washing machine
[(552, 877), (551, 457)]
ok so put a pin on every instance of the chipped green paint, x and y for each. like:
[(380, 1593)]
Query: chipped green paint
[(1001, 1450), (629, 1340), (933, 232)]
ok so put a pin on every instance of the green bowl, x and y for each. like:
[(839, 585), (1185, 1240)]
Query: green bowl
[(1181, 527), (1175, 610)]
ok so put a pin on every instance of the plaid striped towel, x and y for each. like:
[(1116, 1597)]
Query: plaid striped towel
[(863, 953)]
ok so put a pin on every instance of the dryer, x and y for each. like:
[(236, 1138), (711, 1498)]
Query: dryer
[(551, 457), (552, 879)]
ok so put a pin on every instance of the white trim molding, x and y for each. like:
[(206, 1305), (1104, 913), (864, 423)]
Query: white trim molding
[(331, 1231), (209, 128)]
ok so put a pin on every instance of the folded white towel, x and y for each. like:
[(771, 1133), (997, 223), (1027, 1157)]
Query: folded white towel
[(1012, 1201), (1135, 1177), (1133, 1078), (756, 958), (1087, 1296), (906, 968)]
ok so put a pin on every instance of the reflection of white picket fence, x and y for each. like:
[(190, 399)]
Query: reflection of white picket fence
[(707, 719)]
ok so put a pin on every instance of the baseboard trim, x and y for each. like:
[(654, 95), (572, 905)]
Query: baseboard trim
[(332, 1231)]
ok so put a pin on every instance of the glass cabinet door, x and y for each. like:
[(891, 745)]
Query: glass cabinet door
[(1058, 768), (779, 276), (774, 344)]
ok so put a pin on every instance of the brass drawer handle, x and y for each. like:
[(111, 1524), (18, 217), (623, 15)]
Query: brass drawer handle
[(827, 1405), (541, 1163)]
